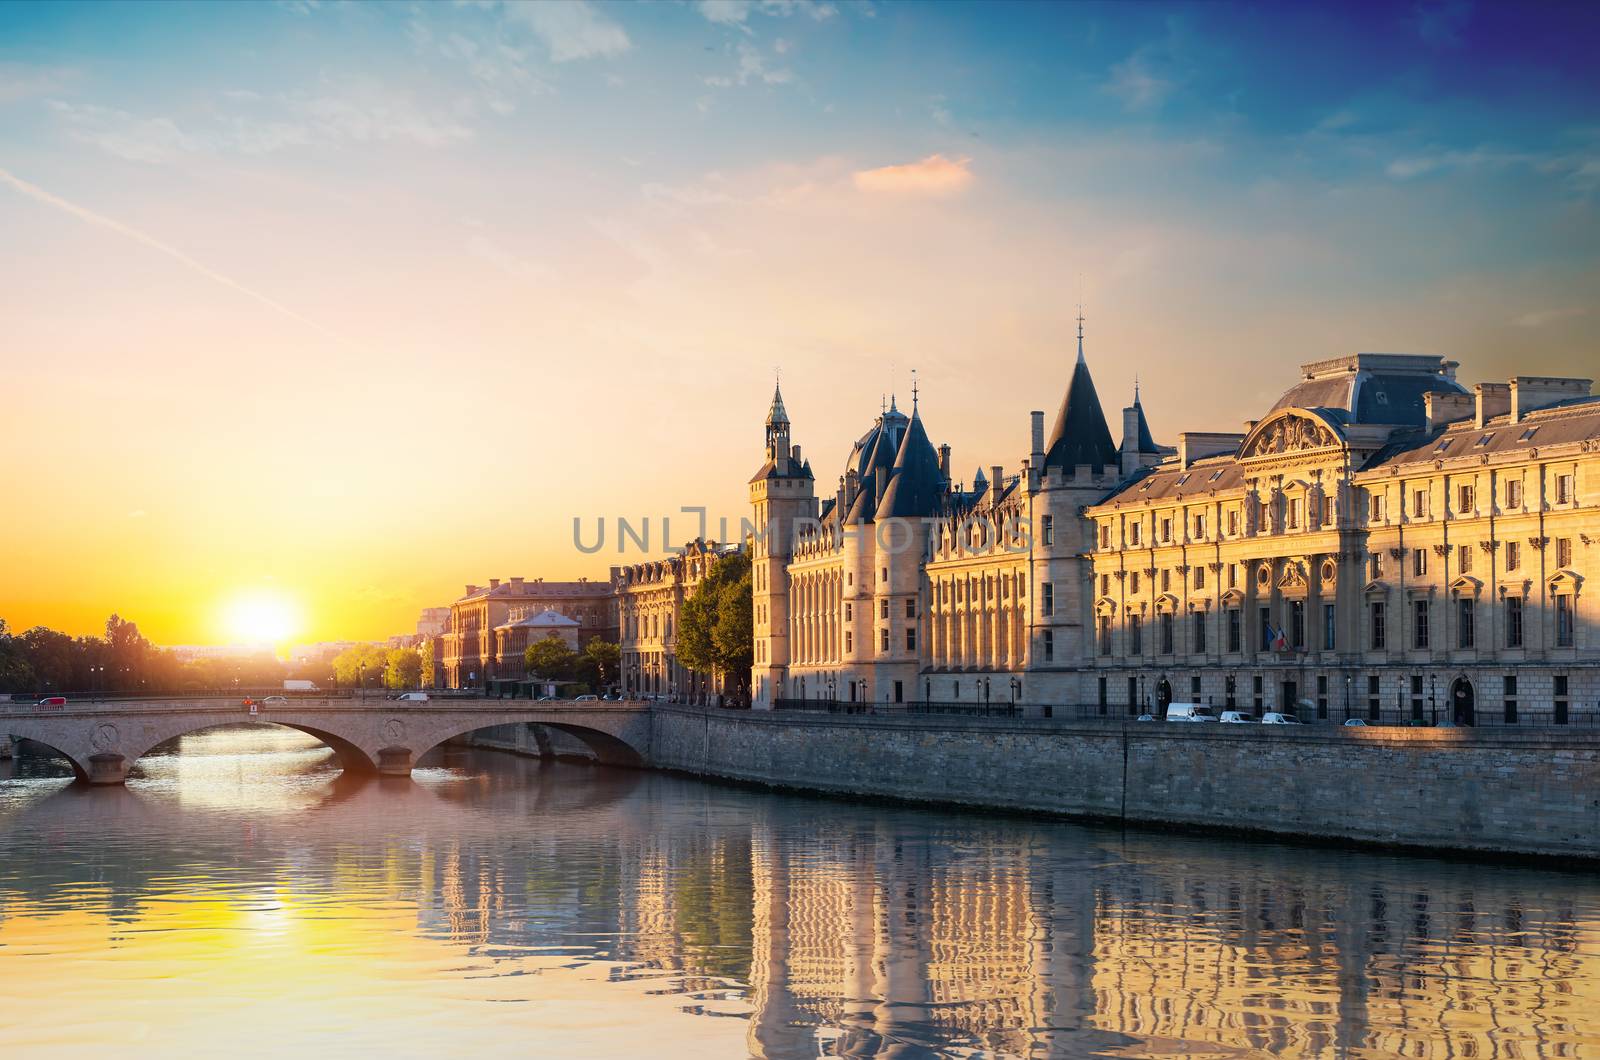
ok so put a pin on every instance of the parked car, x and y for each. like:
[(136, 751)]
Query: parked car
[(1274, 718), (275, 701), (1238, 717), (1356, 723), (1145, 717), (547, 699), (1189, 712), (53, 701), (412, 697), (585, 699)]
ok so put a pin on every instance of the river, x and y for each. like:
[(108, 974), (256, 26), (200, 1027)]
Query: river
[(241, 898)]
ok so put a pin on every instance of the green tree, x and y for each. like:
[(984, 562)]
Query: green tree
[(362, 664), (402, 669), (15, 673), (426, 676), (600, 662), (715, 635), (551, 659)]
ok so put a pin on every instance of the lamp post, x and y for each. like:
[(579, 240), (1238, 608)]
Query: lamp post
[(1346, 697), (1433, 698), (1016, 690)]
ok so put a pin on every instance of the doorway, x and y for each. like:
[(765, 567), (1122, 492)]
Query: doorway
[(1463, 702)]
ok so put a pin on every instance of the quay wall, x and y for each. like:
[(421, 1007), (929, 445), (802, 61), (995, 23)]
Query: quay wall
[(1502, 791)]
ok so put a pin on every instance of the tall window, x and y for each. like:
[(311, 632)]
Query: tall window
[(1136, 634), (1465, 496), (883, 640), (1235, 631), (1463, 559), (1419, 503), (1047, 599), (1509, 686), (1416, 697), (1198, 618), (911, 608), (1166, 530), (1105, 695), (1105, 634), (1166, 632), (1105, 535), (1199, 528), (1374, 567), (849, 641), (1419, 629), (1297, 624), (1291, 513), (1513, 493), (1374, 697), (1563, 489), (1133, 533), (1265, 616), (911, 638), (883, 608), (1513, 555), (1049, 645), (1563, 552), (1199, 576), (1376, 628), (1513, 621), (1133, 582), (1330, 628), (1233, 524), (1377, 508), (1166, 580), (1560, 702), (1563, 621), (1047, 529), (1105, 584), (1419, 561), (1466, 614)]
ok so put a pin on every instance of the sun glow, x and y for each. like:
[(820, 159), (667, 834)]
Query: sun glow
[(261, 617)]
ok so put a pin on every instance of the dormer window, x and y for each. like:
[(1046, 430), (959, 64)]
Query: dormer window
[(1485, 440), (1214, 476), (1528, 434), (1443, 445)]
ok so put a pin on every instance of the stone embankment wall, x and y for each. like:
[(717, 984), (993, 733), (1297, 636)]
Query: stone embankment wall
[(1533, 791)]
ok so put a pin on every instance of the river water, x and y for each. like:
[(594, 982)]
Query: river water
[(240, 898)]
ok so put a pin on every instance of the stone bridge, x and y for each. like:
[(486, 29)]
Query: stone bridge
[(103, 740)]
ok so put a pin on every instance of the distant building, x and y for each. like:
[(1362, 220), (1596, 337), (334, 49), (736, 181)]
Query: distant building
[(650, 598), (524, 627), (469, 651), (433, 621)]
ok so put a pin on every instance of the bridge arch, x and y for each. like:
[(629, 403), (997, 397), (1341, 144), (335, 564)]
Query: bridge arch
[(352, 759), (609, 750), (80, 769)]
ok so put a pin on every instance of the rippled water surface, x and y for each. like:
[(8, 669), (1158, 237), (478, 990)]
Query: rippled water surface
[(241, 898)]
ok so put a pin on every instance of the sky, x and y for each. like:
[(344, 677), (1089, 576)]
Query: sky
[(325, 310)]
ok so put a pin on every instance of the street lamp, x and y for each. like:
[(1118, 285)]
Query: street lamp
[(1433, 698), (1346, 697)]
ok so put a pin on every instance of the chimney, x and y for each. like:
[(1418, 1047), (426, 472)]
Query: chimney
[(494, 583), (1130, 440), (1443, 408), (995, 473), (1530, 392), (852, 487), (1036, 434), (471, 589), (516, 585), (944, 462), (795, 456), (1494, 399)]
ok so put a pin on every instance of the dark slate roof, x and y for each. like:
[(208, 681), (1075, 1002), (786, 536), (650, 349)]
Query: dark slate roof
[(917, 484), (1373, 388), (777, 413), (1565, 423), (770, 470), (1080, 435)]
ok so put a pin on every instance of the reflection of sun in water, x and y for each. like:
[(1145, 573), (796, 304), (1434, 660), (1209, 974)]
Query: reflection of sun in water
[(262, 617)]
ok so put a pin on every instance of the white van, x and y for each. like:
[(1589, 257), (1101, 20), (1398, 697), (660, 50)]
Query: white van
[(1238, 717), (1271, 718), (1189, 712), (413, 697)]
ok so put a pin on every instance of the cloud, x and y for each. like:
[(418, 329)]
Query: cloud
[(1540, 318), (1440, 24), (347, 110), (33, 191), (752, 68), (1145, 79), (571, 29), (22, 80), (934, 175), (736, 13)]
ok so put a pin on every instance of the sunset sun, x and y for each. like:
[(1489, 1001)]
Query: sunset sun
[(261, 617)]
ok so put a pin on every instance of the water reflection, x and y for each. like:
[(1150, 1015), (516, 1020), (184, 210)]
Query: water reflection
[(240, 891)]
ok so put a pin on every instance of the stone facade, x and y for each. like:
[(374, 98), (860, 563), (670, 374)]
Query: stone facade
[(472, 652), (1383, 543), (650, 599)]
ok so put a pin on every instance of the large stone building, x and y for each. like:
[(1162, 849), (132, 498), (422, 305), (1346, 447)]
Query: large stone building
[(1383, 542), (477, 648), (650, 599)]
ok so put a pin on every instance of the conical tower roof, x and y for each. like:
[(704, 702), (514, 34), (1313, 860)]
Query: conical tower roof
[(1080, 435), (918, 484)]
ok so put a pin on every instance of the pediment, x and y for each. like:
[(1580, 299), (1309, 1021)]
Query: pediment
[(1374, 588), (1565, 579), (1289, 431), (1166, 602), (1466, 584), (1232, 598)]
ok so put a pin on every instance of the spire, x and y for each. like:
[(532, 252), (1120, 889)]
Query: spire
[(913, 392), (1080, 436), (777, 414), (1140, 428)]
